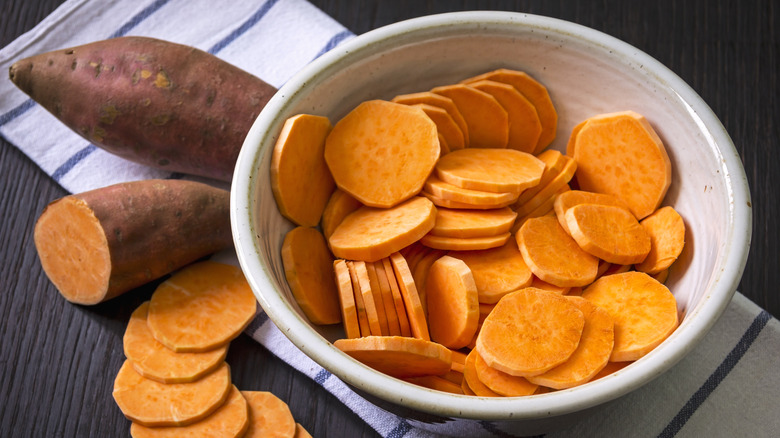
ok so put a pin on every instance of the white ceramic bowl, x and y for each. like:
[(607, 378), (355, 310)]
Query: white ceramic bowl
[(586, 73)]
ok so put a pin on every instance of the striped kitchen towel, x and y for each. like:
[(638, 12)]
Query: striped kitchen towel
[(729, 385)]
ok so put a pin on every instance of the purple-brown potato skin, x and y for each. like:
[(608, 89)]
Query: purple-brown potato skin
[(154, 102)]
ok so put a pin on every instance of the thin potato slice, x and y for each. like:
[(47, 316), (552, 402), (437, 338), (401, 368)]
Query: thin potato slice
[(500, 382), (443, 145), (546, 208), (497, 271), (440, 101), (621, 154), (553, 255), (300, 179), (487, 120), (445, 124), (436, 383), (571, 198), (453, 308), (644, 312), (592, 353), (447, 203), (541, 284), (554, 186), (441, 189), (360, 305), (420, 274), (398, 299), (201, 307), (231, 420), (471, 379), (553, 164), (308, 268), (381, 152), (490, 170), (398, 356), (349, 316), (364, 283), (524, 125), (473, 223), (529, 332), (153, 360), (151, 403), (301, 432), (667, 239), (414, 307), (379, 303), (371, 234), (270, 416), (466, 243), (393, 325), (610, 233), (339, 206)]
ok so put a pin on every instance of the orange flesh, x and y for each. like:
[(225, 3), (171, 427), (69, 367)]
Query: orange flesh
[(610, 233), (483, 205), (497, 271), (490, 170), (360, 306), (667, 236), (553, 164), (445, 124), (466, 243), (393, 324), (364, 282), (524, 125), (349, 315), (379, 303), (441, 189), (500, 382), (453, 308), (565, 201), (398, 299), (437, 383), (487, 120), (471, 379), (440, 101), (414, 308), (269, 416), (339, 206), (473, 223), (554, 186), (398, 356)]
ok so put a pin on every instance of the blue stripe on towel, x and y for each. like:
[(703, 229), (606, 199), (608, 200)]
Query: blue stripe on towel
[(333, 42), (245, 26), (17, 111), (138, 18), (322, 376), (72, 161), (400, 430), (717, 376)]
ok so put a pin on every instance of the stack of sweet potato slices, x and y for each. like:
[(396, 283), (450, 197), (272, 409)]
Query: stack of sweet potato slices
[(488, 229)]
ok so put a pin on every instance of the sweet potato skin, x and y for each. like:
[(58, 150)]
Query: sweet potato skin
[(150, 101)]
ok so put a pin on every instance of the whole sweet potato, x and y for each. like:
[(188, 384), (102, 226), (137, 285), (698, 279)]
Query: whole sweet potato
[(155, 102)]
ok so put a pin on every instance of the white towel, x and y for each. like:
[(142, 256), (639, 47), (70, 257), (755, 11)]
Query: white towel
[(728, 386)]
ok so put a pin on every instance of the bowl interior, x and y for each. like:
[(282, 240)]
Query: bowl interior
[(586, 73)]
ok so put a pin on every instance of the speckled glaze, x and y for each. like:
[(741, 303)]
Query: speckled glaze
[(586, 73)]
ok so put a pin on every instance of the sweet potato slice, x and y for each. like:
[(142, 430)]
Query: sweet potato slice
[(529, 332), (610, 233), (553, 255), (464, 385), (667, 239), (82, 239), (644, 312), (444, 147), (472, 223), (553, 163), (662, 276), (269, 416), (339, 206), (364, 283), (349, 316), (500, 382), (611, 368), (391, 313), (440, 101), (308, 268), (420, 274), (445, 125), (371, 234), (592, 353), (497, 271), (201, 307), (554, 186), (447, 203), (621, 154), (524, 125), (301, 432), (398, 356), (465, 243), (379, 303), (564, 201), (471, 378), (381, 152), (153, 360), (300, 179), (441, 189), (436, 383), (487, 120), (541, 284), (490, 170), (151, 403), (453, 308), (535, 92), (573, 138), (545, 208), (360, 305), (230, 420), (398, 299), (414, 307)]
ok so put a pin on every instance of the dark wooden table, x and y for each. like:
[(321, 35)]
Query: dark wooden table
[(58, 360)]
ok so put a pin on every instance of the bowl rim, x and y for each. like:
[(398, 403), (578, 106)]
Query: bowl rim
[(396, 391)]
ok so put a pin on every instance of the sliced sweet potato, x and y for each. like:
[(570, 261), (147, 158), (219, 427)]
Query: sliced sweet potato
[(553, 164), (420, 274), (553, 255), (667, 239), (300, 179), (398, 299), (545, 208), (308, 268), (445, 124), (444, 147), (371, 234), (349, 316), (364, 283), (398, 356), (471, 378), (437, 383), (490, 170), (569, 199), (529, 332), (487, 120), (339, 206), (535, 92), (464, 386), (151, 403), (230, 420), (441, 189), (382, 152), (572, 142), (360, 305), (554, 186), (524, 125), (453, 308), (465, 243), (621, 154), (611, 368), (301, 432), (472, 223), (500, 382), (592, 353), (153, 360), (201, 307), (644, 312), (541, 284), (379, 302), (269, 416), (662, 276), (447, 203), (610, 233), (391, 313), (496, 271), (414, 307), (441, 102)]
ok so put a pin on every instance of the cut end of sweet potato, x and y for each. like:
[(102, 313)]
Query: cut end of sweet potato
[(269, 416), (73, 250)]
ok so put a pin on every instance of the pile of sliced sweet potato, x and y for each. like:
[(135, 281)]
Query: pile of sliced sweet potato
[(460, 254)]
